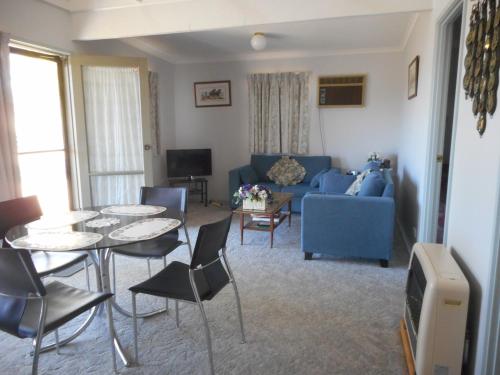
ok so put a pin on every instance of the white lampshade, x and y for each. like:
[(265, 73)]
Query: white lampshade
[(258, 41)]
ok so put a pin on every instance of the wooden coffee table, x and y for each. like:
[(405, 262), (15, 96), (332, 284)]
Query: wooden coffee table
[(279, 201)]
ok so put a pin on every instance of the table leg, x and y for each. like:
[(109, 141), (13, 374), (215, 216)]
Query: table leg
[(206, 192), (289, 213), (242, 225), (104, 257), (271, 223)]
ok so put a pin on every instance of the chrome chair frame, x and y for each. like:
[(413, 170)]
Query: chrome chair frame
[(37, 341), (92, 313), (148, 314), (198, 302), (35, 213)]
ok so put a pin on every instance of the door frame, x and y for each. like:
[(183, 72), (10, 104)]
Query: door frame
[(491, 364), (60, 59), (432, 179), (79, 121)]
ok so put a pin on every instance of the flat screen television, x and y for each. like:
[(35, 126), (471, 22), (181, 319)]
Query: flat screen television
[(189, 163)]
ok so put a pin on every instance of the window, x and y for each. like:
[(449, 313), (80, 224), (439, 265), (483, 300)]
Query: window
[(37, 89)]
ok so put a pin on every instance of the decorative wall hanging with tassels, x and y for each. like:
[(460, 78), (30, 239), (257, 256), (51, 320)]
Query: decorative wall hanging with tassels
[(482, 60)]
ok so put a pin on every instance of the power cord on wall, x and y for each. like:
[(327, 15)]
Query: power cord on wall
[(321, 131)]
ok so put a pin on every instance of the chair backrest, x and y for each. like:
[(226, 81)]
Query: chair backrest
[(175, 198), (17, 212), (213, 276), (18, 281), (211, 239)]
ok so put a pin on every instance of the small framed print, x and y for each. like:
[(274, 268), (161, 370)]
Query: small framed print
[(212, 94), (413, 78)]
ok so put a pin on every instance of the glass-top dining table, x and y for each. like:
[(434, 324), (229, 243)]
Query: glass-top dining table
[(96, 230)]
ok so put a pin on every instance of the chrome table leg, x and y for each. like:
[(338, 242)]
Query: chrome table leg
[(104, 258)]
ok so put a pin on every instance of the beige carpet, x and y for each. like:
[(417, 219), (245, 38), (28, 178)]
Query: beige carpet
[(326, 316)]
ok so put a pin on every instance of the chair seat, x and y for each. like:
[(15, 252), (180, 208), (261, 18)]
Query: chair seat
[(155, 248), (173, 282), (64, 303), (47, 263)]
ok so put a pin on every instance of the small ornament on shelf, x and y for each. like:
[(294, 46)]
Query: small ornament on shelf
[(374, 156)]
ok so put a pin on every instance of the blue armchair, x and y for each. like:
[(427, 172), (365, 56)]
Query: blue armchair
[(349, 226)]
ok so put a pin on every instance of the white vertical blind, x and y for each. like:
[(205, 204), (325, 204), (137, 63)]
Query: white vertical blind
[(114, 133)]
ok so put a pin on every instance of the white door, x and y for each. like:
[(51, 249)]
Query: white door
[(113, 131)]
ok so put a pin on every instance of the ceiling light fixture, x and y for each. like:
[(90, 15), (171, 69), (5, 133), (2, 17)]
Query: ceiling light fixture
[(258, 41)]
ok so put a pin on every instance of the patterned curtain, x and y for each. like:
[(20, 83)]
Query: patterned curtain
[(10, 185), (154, 114), (279, 112)]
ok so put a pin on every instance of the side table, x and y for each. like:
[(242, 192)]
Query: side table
[(200, 186)]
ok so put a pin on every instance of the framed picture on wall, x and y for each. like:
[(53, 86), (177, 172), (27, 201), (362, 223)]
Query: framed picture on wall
[(413, 78), (212, 94)]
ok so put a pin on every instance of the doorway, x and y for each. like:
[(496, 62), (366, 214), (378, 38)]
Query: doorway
[(113, 130), (455, 28), (37, 82)]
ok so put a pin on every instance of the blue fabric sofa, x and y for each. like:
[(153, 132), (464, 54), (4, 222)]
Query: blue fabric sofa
[(349, 226), (256, 173)]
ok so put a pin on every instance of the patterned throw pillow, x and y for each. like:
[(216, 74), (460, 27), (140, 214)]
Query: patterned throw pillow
[(286, 172)]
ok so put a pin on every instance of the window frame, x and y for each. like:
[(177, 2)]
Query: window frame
[(61, 62)]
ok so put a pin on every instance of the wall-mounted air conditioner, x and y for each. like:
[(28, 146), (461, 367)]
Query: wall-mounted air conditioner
[(341, 91)]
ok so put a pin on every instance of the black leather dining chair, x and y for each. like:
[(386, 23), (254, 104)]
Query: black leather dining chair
[(199, 281), (30, 309), (25, 210), (157, 248)]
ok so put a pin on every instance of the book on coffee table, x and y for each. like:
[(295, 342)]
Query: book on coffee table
[(263, 219)]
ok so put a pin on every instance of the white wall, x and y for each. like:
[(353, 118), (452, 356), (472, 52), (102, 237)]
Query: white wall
[(350, 134), (414, 132), (473, 215), (47, 26), (474, 200), (36, 22)]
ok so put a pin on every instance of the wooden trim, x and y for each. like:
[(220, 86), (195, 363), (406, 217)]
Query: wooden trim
[(60, 61), (403, 330)]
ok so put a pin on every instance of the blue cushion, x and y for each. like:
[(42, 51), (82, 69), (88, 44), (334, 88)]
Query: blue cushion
[(313, 165), (248, 175), (299, 190), (373, 165), (373, 185), (334, 182), (315, 180)]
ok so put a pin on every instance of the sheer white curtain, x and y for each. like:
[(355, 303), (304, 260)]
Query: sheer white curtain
[(114, 133), (10, 180), (279, 112)]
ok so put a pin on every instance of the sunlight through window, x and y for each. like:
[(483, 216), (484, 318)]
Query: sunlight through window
[(40, 130)]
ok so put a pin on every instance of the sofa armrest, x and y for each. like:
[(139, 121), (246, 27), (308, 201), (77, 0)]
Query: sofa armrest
[(347, 225), (234, 184)]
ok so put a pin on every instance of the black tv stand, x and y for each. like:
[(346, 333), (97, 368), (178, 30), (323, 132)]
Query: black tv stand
[(200, 186)]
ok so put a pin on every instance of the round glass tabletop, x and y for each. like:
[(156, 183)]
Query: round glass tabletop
[(20, 231)]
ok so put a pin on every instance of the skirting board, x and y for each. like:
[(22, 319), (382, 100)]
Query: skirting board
[(406, 347)]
